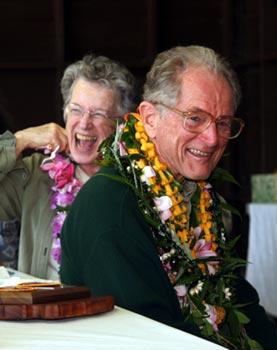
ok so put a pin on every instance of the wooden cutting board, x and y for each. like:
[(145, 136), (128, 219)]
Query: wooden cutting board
[(57, 309)]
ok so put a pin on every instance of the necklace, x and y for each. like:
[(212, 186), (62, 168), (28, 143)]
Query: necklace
[(188, 232), (66, 186)]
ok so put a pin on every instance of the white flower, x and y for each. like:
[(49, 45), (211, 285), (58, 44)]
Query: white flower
[(163, 203), (134, 164), (165, 256), (147, 172), (197, 289), (227, 293)]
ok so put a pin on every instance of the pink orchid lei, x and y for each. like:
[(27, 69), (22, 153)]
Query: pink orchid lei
[(61, 170)]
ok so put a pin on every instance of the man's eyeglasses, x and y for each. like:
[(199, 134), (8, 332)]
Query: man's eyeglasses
[(75, 111), (197, 121)]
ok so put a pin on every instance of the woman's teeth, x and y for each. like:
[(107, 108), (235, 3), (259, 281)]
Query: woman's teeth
[(89, 138)]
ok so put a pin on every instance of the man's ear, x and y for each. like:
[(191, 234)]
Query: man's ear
[(150, 117)]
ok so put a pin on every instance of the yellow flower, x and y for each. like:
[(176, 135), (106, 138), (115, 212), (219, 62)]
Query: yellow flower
[(158, 165), (220, 314), (133, 151), (157, 188), (141, 163), (161, 185), (183, 235)]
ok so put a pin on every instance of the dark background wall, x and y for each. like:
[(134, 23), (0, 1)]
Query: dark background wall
[(38, 39)]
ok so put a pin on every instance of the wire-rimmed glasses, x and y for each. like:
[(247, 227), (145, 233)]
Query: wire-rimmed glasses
[(198, 120)]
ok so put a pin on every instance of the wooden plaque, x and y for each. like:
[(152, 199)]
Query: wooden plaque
[(31, 294)]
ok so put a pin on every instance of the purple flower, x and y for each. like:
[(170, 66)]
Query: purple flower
[(64, 199), (57, 224), (56, 250), (66, 187)]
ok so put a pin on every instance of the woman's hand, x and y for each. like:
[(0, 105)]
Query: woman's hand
[(47, 136)]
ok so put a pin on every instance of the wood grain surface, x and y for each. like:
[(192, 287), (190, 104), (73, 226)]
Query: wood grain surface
[(58, 309), (37, 295)]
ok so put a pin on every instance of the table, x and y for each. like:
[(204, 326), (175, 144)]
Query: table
[(118, 329), (262, 253)]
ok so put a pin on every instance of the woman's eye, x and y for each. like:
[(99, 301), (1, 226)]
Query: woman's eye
[(99, 115), (76, 111)]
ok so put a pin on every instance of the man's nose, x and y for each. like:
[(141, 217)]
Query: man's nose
[(211, 134)]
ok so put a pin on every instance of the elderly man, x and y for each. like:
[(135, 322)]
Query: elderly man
[(96, 91), (149, 229)]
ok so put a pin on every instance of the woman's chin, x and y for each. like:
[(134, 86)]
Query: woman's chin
[(83, 159)]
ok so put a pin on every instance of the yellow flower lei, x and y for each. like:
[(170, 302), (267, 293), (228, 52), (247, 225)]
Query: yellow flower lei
[(165, 185)]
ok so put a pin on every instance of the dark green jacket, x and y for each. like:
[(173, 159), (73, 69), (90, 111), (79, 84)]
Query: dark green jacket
[(107, 246)]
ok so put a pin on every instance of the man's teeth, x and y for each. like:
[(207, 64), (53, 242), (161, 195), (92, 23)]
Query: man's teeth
[(199, 153), (86, 138)]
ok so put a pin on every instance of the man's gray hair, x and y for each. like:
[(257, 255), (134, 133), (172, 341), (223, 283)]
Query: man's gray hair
[(163, 80), (106, 72)]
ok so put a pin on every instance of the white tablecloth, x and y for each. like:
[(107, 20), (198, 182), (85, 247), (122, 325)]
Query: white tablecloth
[(119, 329), (262, 253)]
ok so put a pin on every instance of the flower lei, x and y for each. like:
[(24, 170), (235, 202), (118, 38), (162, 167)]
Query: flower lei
[(61, 170), (189, 234)]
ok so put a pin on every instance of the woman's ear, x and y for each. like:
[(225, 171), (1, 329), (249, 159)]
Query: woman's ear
[(150, 117)]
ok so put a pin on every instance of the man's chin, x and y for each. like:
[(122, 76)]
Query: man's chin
[(197, 175)]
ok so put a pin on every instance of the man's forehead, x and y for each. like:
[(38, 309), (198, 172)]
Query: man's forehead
[(200, 86)]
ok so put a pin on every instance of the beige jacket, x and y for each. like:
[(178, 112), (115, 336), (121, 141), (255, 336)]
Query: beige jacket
[(25, 194)]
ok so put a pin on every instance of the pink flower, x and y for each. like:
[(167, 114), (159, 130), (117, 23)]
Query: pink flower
[(66, 187), (61, 170), (64, 173), (122, 149), (181, 290), (167, 266), (197, 231), (212, 316), (165, 215), (203, 249)]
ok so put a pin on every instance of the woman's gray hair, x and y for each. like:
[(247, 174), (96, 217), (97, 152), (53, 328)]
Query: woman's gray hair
[(106, 72), (163, 80)]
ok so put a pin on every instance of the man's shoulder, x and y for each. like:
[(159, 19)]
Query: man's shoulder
[(107, 188), (106, 179)]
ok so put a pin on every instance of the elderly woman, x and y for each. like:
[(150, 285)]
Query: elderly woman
[(39, 189)]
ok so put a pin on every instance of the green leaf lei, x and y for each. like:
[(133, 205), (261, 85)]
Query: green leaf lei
[(202, 270)]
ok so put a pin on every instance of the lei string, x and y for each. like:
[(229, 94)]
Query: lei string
[(188, 232), (61, 170)]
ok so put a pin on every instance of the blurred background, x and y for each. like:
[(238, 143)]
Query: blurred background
[(39, 38)]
